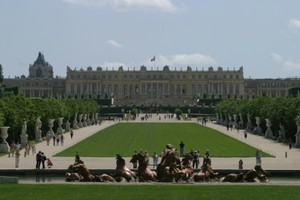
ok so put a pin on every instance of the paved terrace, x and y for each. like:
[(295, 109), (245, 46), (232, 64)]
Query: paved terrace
[(279, 162)]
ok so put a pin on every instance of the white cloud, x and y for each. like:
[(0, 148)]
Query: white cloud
[(276, 57), (295, 22), (291, 66), (114, 43), (183, 60), (113, 65), (287, 65), (163, 5)]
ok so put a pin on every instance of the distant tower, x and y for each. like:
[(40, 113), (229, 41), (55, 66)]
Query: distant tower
[(40, 68)]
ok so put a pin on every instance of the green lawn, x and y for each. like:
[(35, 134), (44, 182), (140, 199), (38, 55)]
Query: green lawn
[(124, 138), (148, 191)]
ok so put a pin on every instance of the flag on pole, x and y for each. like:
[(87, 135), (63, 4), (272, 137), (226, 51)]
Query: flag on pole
[(153, 59)]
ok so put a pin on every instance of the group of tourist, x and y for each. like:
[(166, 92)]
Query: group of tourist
[(41, 159), (15, 149)]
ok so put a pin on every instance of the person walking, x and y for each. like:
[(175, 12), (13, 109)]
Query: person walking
[(77, 157), (155, 160), (62, 139), (181, 145), (43, 159), (135, 163), (17, 158), (71, 133), (49, 163), (258, 158), (12, 149), (245, 134), (196, 156), (241, 164), (38, 159), (57, 140), (290, 141)]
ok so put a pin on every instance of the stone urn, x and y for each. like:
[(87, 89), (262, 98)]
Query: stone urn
[(88, 120), (96, 118), (75, 124), (297, 142), (258, 130), (23, 135), (80, 125), (59, 129), (84, 123), (268, 133), (4, 147), (50, 132), (68, 126)]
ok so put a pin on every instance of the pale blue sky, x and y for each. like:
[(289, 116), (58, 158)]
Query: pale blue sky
[(263, 36)]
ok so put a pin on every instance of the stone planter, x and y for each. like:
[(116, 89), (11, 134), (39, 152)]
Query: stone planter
[(60, 130), (258, 130), (4, 147), (50, 132), (80, 125), (268, 133), (75, 124), (297, 142)]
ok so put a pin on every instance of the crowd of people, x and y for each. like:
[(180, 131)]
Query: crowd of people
[(30, 149)]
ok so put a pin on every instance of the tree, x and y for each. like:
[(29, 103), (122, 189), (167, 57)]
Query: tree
[(295, 91), (178, 113)]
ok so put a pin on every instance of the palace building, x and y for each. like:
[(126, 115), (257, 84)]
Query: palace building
[(144, 86)]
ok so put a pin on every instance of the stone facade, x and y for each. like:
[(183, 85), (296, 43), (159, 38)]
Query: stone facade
[(144, 86), (154, 86), (270, 87), (40, 81)]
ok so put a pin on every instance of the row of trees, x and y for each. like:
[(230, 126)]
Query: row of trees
[(283, 111), (14, 109)]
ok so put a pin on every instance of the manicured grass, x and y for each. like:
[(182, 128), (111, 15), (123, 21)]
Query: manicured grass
[(125, 138), (148, 191)]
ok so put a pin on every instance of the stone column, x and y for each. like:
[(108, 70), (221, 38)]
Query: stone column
[(269, 133), (258, 129), (4, 147), (38, 131), (23, 135), (297, 142)]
